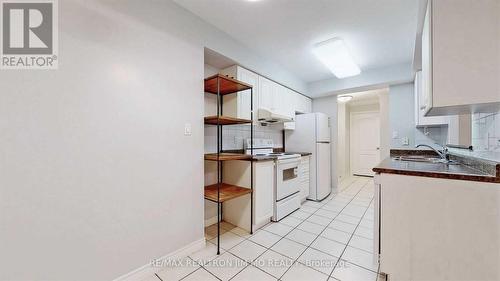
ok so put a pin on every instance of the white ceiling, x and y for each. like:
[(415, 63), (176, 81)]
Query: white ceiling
[(379, 33), (366, 97)]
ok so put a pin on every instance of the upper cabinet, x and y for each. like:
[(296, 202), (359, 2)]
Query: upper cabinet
[(420, 107), (303, 104), (461, 57), (266, 94), (239, 105)]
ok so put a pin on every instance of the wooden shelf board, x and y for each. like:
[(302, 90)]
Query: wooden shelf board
[(227, 192), (227, 156), (225, 120), (226, 85)]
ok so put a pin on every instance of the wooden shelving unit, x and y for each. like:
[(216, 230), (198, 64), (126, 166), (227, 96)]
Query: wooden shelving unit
[(220, 192), (224, 156), (227, 192), (225, 120), (219, 84)]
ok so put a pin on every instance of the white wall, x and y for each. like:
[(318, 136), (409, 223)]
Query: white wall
[(167, 16), (96, 176), (385, 129), (328, 106), (343, 131), (402, 120), (401, 116)]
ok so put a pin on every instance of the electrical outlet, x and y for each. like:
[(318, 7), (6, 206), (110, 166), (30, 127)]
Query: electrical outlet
[(187, 129), (405, 141)]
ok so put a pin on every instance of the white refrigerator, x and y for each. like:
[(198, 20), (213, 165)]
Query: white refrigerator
[(312, 134)]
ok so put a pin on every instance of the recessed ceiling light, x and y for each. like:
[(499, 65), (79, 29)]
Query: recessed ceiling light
[(334, 54), (253, 0), (344, 98)]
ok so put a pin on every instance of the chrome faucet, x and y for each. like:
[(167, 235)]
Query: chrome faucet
[(443, 155)]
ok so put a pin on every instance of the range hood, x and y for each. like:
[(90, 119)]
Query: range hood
[(266, 115)]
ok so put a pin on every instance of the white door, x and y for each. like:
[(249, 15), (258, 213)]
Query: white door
[(365, 142)]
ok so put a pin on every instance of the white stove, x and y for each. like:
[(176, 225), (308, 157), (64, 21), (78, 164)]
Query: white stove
[(265, 147), (286, 183)]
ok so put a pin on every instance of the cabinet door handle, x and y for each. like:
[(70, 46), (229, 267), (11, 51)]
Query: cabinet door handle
[(422, 107)]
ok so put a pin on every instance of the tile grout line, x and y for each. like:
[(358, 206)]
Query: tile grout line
[(202, 266), (340, 256), (283, 237), (318, 235), (350, 238), (248, 239)]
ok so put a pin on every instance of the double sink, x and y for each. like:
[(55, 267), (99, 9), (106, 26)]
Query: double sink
[(425, 159)]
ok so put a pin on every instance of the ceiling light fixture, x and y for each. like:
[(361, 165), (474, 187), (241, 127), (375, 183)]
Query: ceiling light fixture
[(344, 98), (334, 54)]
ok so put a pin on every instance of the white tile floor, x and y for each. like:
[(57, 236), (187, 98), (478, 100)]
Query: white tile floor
[(328, 240)]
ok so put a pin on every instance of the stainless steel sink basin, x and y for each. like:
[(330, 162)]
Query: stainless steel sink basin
[(418, 158), (426, 159)]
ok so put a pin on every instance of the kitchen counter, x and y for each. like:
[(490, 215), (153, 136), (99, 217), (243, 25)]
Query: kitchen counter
[(435, 170), (264, 158), (270, 157), (301, 153)]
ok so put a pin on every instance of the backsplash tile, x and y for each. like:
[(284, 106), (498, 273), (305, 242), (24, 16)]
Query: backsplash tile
[(431, 135), (234, 136), (486, 131)]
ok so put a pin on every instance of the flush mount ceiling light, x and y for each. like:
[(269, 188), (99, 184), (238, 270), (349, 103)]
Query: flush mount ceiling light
[(344, 98), (334, 54)]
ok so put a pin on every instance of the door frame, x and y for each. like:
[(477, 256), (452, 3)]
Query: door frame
[(351, 150)]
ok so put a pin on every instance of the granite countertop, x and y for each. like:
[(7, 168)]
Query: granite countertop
[(301, 153), (465, 170), (263, 158)]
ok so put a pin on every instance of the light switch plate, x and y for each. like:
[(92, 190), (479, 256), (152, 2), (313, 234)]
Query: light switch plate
[(395, 134), (187, 129)]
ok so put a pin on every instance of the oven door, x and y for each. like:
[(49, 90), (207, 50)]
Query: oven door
[(287, 177)]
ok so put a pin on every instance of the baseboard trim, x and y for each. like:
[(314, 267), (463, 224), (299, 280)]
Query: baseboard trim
[(148, 270)]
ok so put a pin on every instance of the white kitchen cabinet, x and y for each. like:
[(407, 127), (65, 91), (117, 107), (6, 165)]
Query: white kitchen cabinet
[(307, 104), (284, 101), (239, 105), (437, 228), (304, 177), (267, 94), (420, 119), (461, 57), (276, 97), (237, 211)]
